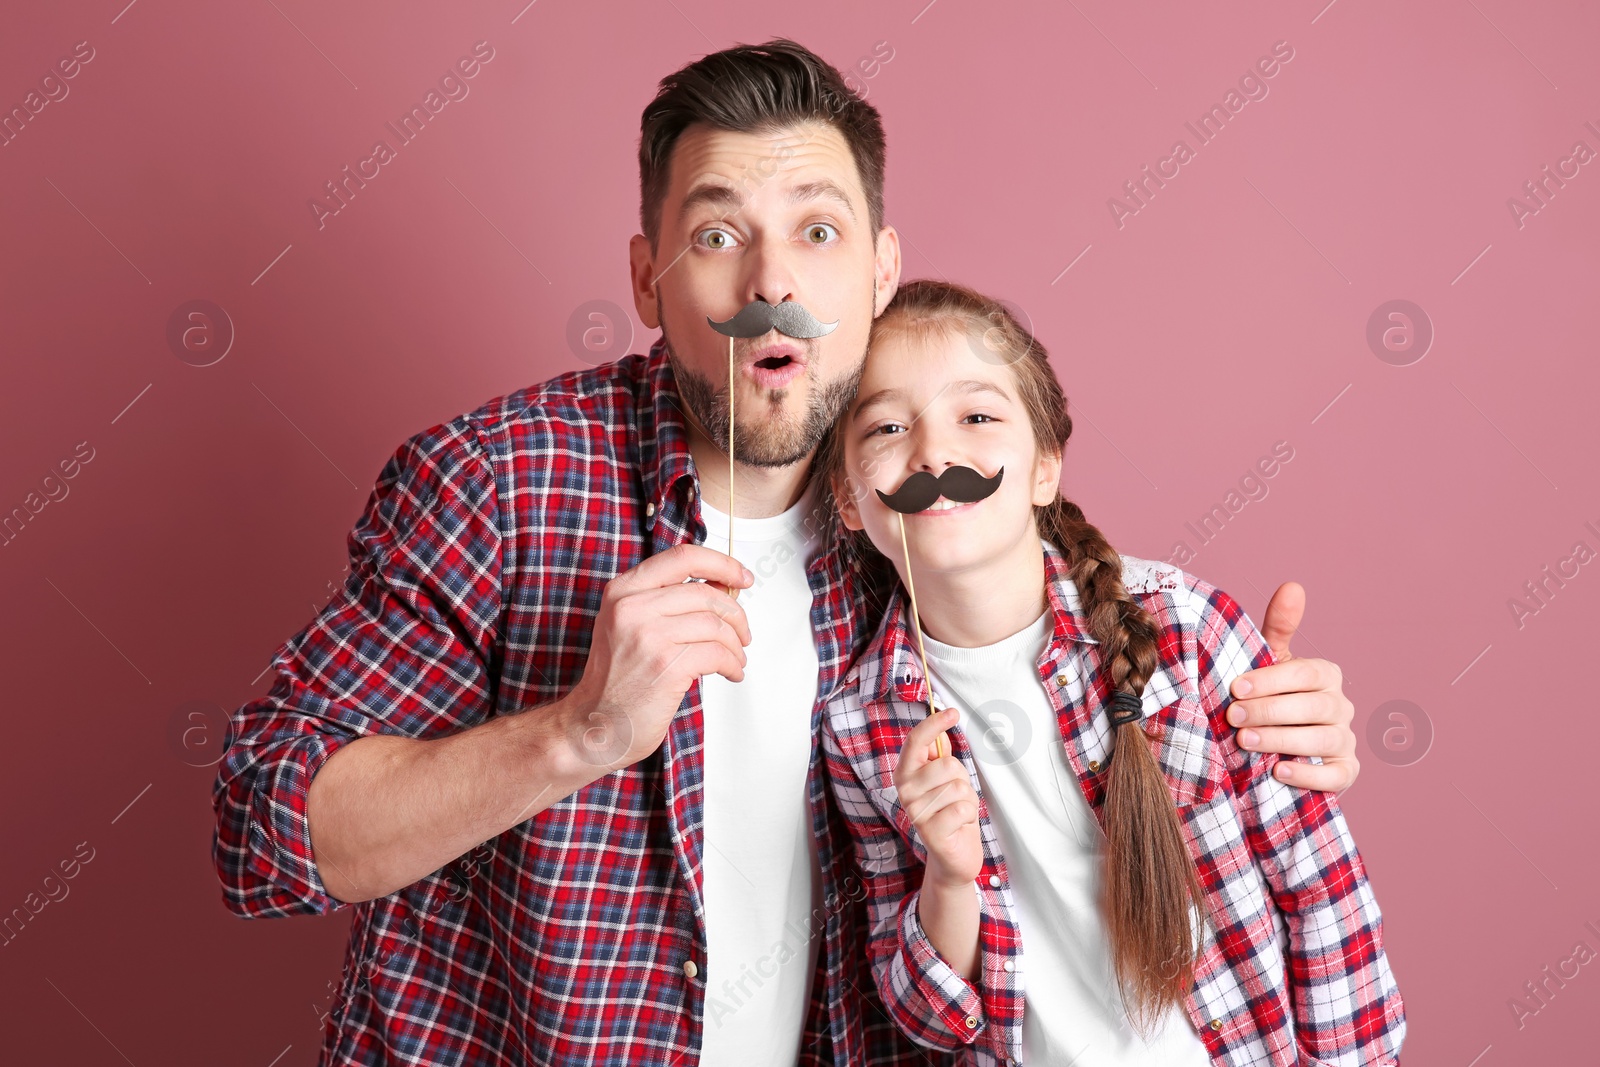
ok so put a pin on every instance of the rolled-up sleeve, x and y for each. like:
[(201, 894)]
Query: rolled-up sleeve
[(1347, 1006), (406, 647), (928, 999), (923, 981)]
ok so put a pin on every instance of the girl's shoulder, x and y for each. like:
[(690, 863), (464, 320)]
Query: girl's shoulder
[(1180, 600), (1207, 638)]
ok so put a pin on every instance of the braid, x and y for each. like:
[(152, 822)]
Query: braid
[(1150, 878)]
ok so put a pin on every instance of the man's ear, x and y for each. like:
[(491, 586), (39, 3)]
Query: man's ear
[(885, 269), (1047, 478), (642, 274)]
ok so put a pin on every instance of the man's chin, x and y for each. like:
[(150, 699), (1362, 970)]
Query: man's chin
[(776, 427), (772, 446)]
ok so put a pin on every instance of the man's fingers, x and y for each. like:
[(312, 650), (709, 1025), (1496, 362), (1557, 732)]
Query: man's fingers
[(700, 626), (1293, 709), (696, 597), (1296, 676), (1325, 741), (680, 563), (1330, 776), (1284, 611), (712, 657)]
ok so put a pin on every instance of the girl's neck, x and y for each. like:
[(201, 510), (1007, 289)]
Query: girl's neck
[(989, 602)]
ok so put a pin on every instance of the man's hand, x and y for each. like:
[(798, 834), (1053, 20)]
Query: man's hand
[(656, 632), (1296, 707)]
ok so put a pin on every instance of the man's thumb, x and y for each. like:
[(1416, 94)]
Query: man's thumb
[(1284, 612)]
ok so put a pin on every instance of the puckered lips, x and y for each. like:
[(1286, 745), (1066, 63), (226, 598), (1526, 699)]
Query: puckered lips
[(775, 365)]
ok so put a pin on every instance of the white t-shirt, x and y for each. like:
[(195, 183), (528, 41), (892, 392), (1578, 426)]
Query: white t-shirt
[(760, 873), (1054, 849)]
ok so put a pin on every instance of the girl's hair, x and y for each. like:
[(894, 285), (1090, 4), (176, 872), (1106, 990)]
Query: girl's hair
[(1150, 877)]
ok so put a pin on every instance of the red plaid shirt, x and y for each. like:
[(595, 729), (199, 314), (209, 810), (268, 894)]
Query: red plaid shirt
[(476, 573), (1285, 886)]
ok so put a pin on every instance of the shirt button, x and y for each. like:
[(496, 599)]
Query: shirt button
[(1094, 766), (689, 969), (972, 1022), (1061, 680), (1216, 1024), (994, 881), (650, 509), (1009, 966)]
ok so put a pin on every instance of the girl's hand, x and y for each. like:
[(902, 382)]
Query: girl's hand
[(938, 795)]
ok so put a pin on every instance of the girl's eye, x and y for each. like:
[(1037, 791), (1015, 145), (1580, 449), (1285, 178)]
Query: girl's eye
[(716, 238), (981, 415), (885, 426), (820, 232)]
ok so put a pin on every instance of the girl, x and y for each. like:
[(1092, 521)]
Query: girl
[(1082, 846)]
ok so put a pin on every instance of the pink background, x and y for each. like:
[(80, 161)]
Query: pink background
[(1228, 314)]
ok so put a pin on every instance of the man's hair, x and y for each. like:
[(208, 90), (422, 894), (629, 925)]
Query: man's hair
[(755, 89)]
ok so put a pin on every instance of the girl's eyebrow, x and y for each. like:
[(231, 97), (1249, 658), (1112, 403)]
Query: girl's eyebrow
[(965, 385)]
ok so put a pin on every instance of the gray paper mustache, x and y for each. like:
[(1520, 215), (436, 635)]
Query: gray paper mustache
[(958, 483), (759, 317)]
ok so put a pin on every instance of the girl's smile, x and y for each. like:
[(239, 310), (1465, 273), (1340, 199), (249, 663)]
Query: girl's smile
[(943, 506)]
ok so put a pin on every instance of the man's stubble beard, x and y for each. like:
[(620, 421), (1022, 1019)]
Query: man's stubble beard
[(775, 442)]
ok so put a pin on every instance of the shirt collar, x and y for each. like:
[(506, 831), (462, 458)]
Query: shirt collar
[(894, 658), (664, 455)]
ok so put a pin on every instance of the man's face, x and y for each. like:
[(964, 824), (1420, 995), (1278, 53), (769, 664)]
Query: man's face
[(772, 216)]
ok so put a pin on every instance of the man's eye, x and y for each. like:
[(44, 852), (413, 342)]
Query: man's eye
[(716, 238), (820, 232)]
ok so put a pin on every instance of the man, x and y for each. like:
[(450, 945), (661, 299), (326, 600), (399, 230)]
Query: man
[(575, 797)]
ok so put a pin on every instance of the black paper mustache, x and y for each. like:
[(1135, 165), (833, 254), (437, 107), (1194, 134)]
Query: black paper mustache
[(759, 317), (961, 484)]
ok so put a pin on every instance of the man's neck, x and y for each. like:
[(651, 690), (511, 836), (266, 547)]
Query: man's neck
[(759, 492)]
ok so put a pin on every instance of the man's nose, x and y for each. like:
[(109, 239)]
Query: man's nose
[(771, 277)]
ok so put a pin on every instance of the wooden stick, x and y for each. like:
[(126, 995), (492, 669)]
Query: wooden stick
[(916, 622), (731, 590)]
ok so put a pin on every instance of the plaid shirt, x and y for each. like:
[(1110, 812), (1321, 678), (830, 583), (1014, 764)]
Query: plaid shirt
[(1280, 871), (477, 570)]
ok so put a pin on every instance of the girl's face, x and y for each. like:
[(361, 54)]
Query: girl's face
[(926, 405)]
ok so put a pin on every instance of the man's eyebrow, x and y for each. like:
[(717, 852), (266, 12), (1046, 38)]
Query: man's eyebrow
[(727, 199), (824, 189), (965, 385), (723, 197)]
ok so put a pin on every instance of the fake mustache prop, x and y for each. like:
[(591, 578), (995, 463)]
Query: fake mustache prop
[(759, 317), (961, 484)]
